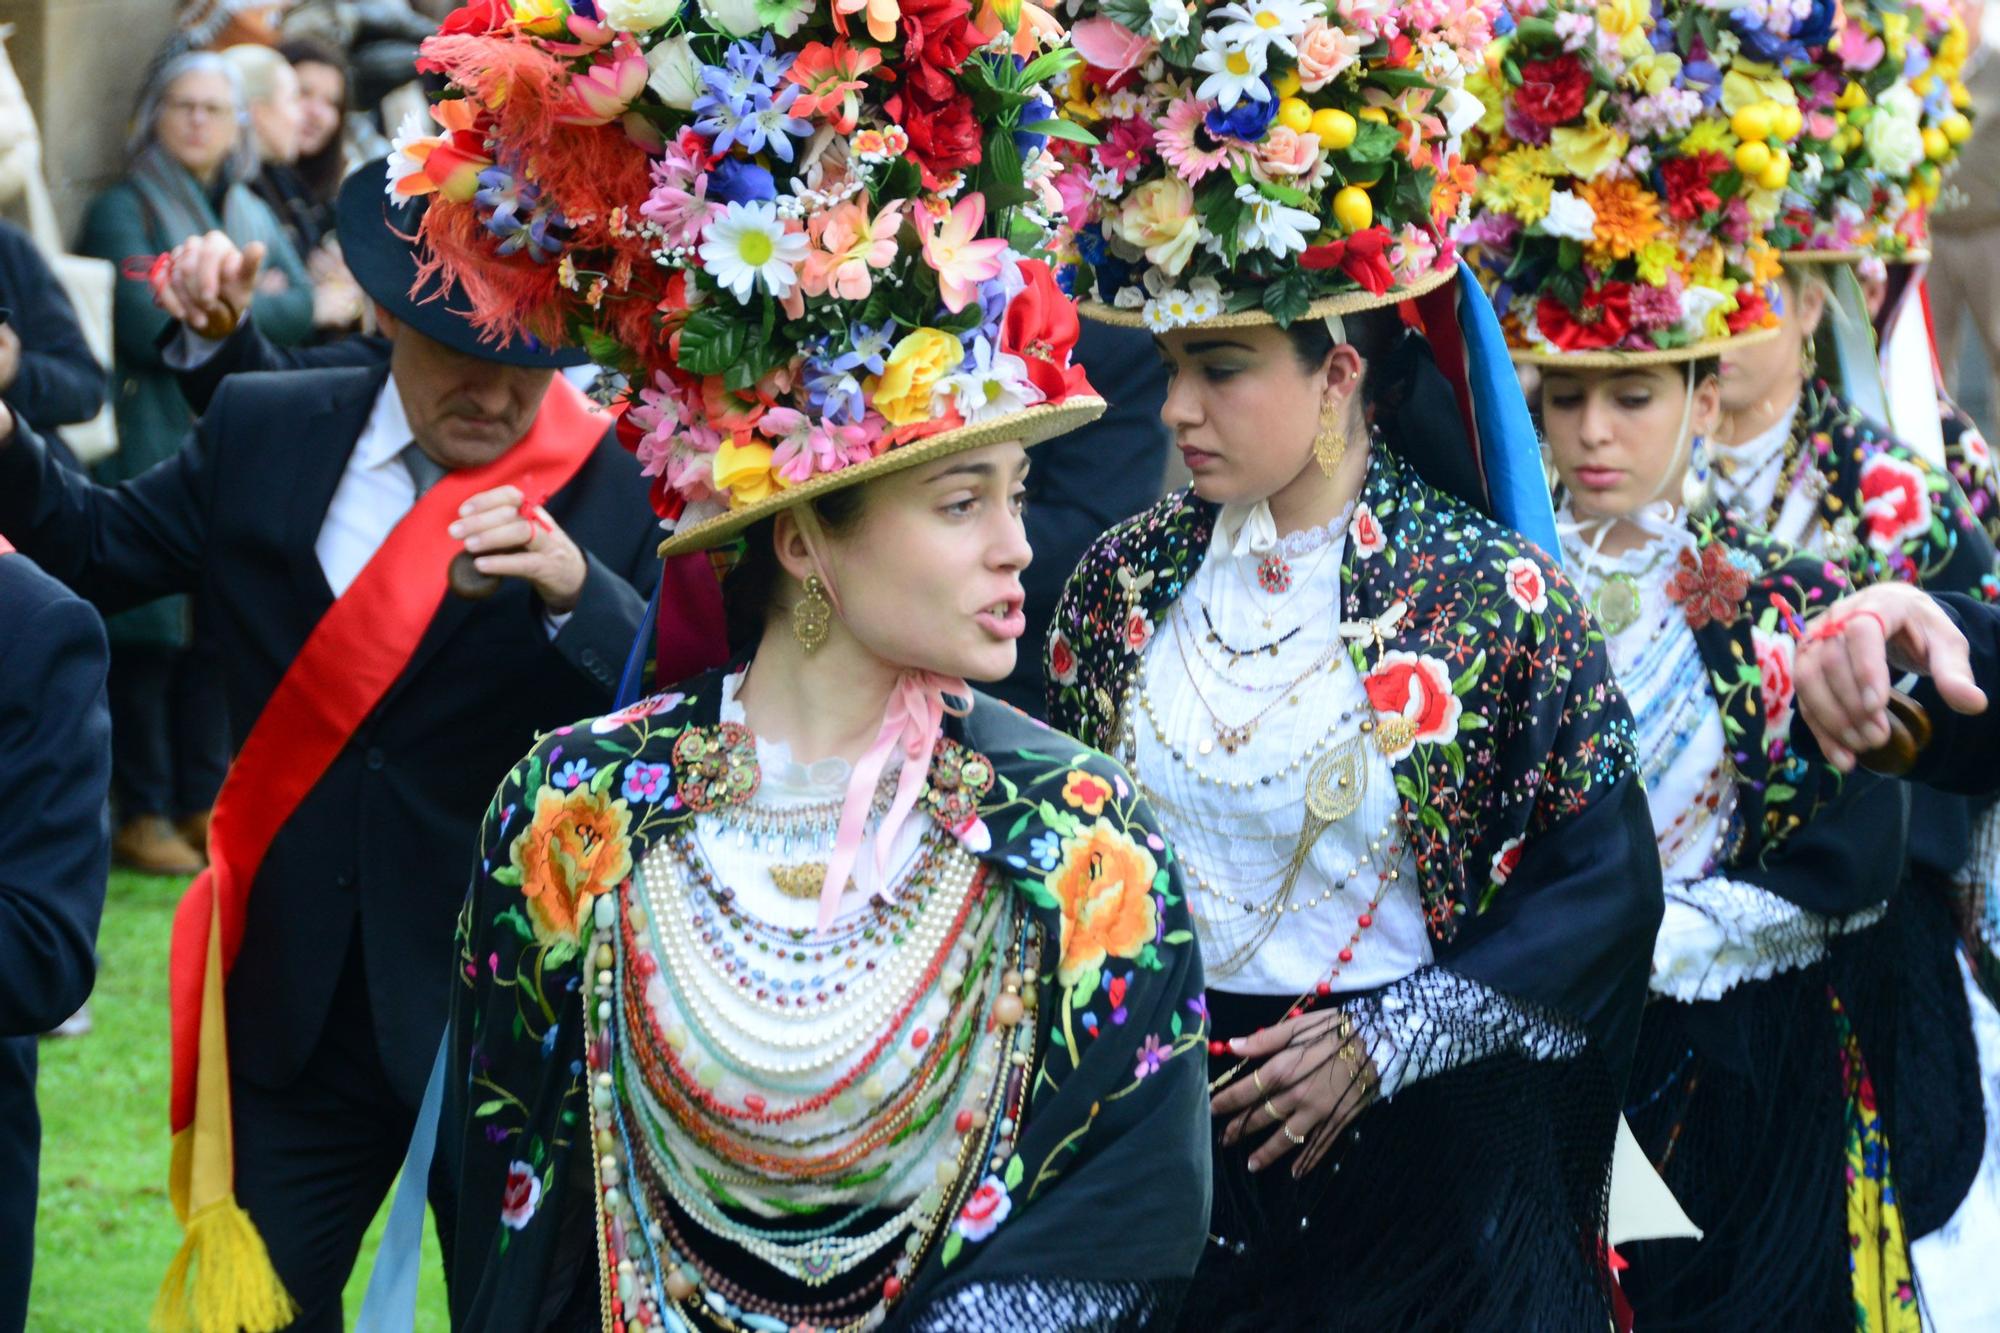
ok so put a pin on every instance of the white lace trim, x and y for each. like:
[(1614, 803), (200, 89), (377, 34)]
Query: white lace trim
[(1250, 530), (1719, 933)]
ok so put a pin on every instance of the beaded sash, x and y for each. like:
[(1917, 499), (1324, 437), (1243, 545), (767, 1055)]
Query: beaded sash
[(824, 1104)]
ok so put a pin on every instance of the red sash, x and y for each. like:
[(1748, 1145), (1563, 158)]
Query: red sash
[(350, 660)]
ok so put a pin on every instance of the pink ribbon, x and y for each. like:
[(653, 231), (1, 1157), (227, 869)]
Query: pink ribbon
[(913, 720)]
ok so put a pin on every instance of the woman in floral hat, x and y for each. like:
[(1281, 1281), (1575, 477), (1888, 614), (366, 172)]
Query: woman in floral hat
[(819, 991), (1376, 726), (1770, 1035)]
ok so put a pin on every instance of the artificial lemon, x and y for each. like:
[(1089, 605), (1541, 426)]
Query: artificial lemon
[(1788, 122), (1752, 158), (1295, 115), (1335, 128), (1936, 145), (1287, 83), (1376, 114), (1774, 176), (1957, 127), (1754, 121), (1352, 209)]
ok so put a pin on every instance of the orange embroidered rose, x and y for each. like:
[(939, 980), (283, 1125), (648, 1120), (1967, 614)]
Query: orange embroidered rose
[(1105, 885), (1086, 792), (577, 846)]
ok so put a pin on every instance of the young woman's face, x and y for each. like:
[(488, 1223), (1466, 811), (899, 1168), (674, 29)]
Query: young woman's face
[(322, 104), (1767, 373), (929, 577), (1243, 410), (1617, 434), (197, 121)]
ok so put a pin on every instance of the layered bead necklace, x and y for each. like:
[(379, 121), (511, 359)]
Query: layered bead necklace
[(822, 1102)]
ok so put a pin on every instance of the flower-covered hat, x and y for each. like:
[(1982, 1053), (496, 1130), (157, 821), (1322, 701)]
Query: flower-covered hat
[(1618, 216), (805, 230), (1261, 161), (1884, 114)]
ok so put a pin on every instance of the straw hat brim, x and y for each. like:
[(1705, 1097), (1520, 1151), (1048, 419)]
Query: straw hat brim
[(1346, 303), (1850, 257), (1030, 426), (1612, 358)]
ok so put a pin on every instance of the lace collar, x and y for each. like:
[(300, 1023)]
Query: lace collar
[(1250, 531)]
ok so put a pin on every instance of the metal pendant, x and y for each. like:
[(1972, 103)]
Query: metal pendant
[(1617, 603), (1336, 783)]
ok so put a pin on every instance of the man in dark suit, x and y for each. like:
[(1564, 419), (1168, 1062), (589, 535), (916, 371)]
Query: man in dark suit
[(274, 516), (55, 850)]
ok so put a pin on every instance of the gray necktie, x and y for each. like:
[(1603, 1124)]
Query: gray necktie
[(424, 471)]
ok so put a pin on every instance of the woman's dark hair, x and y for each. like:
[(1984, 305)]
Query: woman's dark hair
[(1407, 399), (322, 171), (750, 589)]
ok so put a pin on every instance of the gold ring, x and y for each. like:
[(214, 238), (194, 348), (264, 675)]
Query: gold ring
[(1297, 1140), (1275, 1114), (1257, 1077)]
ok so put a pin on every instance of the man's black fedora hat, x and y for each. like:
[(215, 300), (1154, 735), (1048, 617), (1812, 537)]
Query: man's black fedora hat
[(378, 241)]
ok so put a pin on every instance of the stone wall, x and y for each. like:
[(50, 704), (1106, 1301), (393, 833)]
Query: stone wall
[(81, 62)]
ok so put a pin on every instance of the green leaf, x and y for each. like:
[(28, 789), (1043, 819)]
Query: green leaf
[(952, 1245), (605, 777), (493, 1107), (1289, 297), (1178, 936), (1036, 891), (1470, 675), (1061, 129), (1373, 142), (712, 340), (508, 875), (1011, 1177), (1748, 674)]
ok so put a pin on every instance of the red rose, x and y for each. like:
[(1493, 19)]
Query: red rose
[(985, 1210), (1603, 320), (1527, 585), (1895, 502), (1138, 631), (1750, 310), (944, 135), (1415, 697), (1062, 660), (1506, 860), (1553, 91), (522, 1195), (1775, 653), (1041, 328), (477, 17), (1689, 183), (937, 36)]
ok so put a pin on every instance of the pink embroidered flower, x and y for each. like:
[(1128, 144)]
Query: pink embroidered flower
[(1138, 631), (521, 1197), (985, 1210), (1527, 585), (1506, 860), (1366, 533), (1775, 657), (1062, 660), (648, 707), (1413, 701), (1185, 144), (1895, 502)]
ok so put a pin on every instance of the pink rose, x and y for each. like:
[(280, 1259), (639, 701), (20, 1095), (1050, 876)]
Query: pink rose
[(522, 1195), (1323, 53), (1775, 654), (985, 1210), (1366, 533), (1286, 152), (1138, 631), (1895, 502), (1527, 586)]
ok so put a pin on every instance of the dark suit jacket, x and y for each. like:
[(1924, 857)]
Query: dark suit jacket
[(60, 383), (1964, 753), (55, 849), (248, 349), (386, 838)]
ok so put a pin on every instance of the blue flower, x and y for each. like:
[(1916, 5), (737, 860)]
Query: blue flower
[(645, 782), (1046, 848), (833, 392), (549, 1040), (572, 774), (1247, 120), (735, 181), (1038, 110), (992, 309)]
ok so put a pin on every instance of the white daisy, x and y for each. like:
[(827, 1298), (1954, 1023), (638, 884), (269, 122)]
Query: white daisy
[(1234, 70), (1270, 225), (1264, 23), (748, 245), (1169, 310), (990, 384), (1204, 300), (416, 128)]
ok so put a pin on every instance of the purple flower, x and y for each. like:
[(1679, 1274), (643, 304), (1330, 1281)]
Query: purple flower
[(1199, 1006), (735, 181), (645, 782), (1150, 1057)]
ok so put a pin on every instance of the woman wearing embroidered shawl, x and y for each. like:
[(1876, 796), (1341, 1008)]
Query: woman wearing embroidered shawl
[(1771, 1031), (1376, 725), (819, 990)]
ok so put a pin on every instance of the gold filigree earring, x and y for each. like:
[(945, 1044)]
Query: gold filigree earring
[(1330, 445), (813, 616)]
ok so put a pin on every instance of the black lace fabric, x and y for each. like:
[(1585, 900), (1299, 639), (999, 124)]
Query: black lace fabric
[(1049, 1305), (1471, 1198)]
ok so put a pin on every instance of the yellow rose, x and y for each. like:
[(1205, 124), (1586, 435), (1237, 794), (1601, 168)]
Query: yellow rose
[(1740, 89), (1654, 73), (744, 470), (1159, 219), (902, 393), (1619, 17), (1589, 150)]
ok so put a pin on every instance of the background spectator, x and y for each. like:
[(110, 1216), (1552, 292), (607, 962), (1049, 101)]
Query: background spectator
[(47, 374), (191, 155)]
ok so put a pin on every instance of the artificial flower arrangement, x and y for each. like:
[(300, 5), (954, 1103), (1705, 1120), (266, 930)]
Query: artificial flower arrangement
[(805, 230), (1884, 115), (1264, 155), (1618, 210)]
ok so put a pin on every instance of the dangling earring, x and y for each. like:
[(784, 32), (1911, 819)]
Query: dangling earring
[(813, 616), (1808, 362), (1695, 485), (1330, 445)]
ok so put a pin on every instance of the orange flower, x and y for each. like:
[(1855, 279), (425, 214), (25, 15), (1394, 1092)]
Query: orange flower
[(1105, 886), (1628, 216), (1086, 792), (577, 846)]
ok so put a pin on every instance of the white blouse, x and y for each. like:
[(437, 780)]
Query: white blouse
[(1276, 892)]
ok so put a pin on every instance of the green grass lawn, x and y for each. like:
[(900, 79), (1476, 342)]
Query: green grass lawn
[(104, 1230)]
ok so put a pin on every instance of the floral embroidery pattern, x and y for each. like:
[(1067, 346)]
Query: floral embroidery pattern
[(1415, 702), (576, 847), (1105, 884), (1709, 587)]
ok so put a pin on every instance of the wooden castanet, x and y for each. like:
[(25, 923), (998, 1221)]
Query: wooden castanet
[(467, 580), (1909, 734), (221, 323)]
